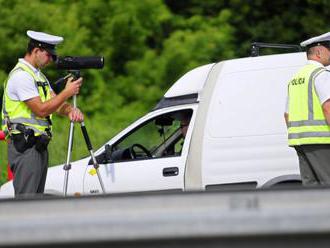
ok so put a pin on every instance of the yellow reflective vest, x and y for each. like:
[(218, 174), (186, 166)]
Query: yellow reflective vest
[(307, 123), (18, 112)]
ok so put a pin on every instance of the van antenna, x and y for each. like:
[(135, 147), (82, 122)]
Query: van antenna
[(255, 47)]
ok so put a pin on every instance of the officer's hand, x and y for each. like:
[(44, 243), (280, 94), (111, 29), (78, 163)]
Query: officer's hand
[(73, 86), (76, 115)]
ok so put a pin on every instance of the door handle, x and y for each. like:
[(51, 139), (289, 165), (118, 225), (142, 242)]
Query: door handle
[(170, 171)]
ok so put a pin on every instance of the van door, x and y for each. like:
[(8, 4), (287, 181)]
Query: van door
[(150, 157)]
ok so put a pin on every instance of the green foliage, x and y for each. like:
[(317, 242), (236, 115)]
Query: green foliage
[(147, 45)]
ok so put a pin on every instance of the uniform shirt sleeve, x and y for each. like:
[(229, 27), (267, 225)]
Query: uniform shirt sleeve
[(21, 86), (322, 86)]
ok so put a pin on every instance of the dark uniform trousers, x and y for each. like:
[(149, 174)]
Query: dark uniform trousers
[(314, 163), (29, 168)]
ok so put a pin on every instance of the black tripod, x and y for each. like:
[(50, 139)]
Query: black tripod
[(67, 166)]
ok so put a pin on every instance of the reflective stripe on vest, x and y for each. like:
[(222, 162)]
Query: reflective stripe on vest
[(43, 123), (307, 124), (18, 112)]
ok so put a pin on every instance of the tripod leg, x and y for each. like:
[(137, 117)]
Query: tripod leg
[(67, 165), (90, 149)]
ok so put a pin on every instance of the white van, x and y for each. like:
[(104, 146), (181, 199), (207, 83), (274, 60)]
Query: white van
[(236, 138)]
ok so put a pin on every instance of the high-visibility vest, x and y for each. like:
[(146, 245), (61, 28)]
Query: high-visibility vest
[(19, 112), (307, 123)]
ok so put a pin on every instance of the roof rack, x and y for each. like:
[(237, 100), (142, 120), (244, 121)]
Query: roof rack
[(255, 47)]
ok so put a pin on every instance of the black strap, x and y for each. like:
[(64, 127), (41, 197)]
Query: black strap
[(43, 86)]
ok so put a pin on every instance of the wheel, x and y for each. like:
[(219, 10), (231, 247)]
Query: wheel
[(142, 148)]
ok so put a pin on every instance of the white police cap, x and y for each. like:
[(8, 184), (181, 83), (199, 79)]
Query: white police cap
[(44, 40), (323, 40)]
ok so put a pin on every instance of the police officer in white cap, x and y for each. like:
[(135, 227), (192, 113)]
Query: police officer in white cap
[(308, 112), (28, 104)]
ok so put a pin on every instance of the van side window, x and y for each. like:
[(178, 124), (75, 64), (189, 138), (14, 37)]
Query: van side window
[(162, 136)]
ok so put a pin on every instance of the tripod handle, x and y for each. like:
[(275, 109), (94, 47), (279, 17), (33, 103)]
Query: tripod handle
[(90, 148), (86, 137)]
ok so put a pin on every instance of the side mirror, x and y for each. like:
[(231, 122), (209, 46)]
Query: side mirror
[(104, 157), (108, 153)]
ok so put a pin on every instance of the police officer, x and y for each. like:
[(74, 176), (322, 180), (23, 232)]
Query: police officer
[(308, 112), (28, 105)]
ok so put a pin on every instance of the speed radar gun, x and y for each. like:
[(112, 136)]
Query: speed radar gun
[(73, 65)]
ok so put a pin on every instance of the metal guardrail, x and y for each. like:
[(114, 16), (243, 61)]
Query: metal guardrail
[(277, 218)]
